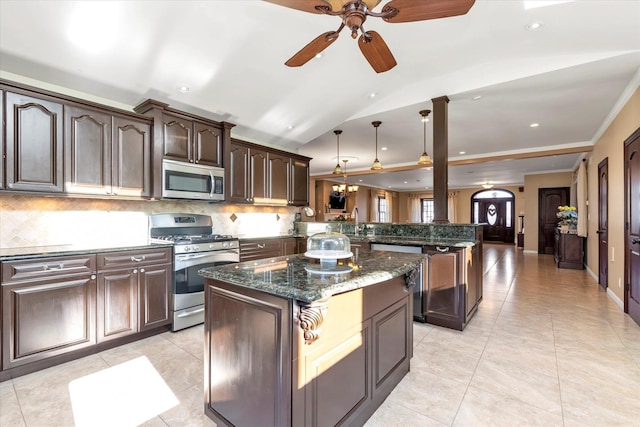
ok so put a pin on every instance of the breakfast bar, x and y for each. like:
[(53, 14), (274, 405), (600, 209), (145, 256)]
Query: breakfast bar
[(289, 341)]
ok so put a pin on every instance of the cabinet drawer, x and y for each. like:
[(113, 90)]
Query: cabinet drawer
[(133, 258), (257, 249), (41, 268)]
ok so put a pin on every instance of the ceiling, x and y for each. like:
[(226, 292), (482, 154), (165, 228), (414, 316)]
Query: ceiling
[(570, 76)]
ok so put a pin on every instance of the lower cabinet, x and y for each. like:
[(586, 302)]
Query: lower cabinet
[(56, 307), (318, 364), (48, 308), (453, 279), (253, 249)]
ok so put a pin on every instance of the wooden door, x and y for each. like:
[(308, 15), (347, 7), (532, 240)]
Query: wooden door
[(496, 215), (155, 293), (257, 174), (34, 144), (207, 144), (87, 144), (299, 183), (117, 304), (548, 201), (603, 234), (177, 138), (632, 229), (278, 177), (237, 174), (131, 166)]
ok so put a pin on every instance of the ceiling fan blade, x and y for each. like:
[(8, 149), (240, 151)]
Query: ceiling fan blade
[(314, 47), (376, 51), (304, 5), (411, 10)]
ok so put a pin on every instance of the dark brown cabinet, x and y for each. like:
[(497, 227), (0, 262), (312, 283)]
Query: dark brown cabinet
[(48, 308), (569, 250), (337, 374), (134, 291), (452, 285), (255, 174), (106, 154), (289, 246), (246, 173), (192, 141), (252, 249), (34, 144), (55, 309)]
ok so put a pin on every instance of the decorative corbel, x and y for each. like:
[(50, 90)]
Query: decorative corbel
[(311, 316)]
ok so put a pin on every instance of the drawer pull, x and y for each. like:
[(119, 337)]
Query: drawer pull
[(261, 245), (134, 259), (54, 268), (443, 250)]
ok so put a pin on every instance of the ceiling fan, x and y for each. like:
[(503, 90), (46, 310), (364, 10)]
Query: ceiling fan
[(354, 13)]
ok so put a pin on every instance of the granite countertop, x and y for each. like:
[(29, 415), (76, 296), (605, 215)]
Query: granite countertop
[(288, 276), (388, 240), (12, 254)]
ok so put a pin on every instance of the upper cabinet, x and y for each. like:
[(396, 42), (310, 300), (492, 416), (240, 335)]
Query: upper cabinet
[(34, 144), (191, 141), (256, 174), (180, 136), (106, 154)]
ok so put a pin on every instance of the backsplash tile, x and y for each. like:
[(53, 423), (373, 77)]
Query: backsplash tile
[(27, 220)]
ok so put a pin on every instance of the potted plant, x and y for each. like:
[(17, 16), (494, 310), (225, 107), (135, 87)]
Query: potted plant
[(568, 216)]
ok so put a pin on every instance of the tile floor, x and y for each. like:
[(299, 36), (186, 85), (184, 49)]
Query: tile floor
[(547, 347)]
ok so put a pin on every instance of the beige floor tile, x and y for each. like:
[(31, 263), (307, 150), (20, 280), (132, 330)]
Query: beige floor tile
[(518, 382), (482, 408), (10, 413), (390, 414)]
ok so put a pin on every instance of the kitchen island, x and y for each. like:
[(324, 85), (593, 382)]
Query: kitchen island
[(286, 344)]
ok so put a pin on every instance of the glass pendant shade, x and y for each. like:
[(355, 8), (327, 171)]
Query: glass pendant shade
[(424, 158), (376, 163), (337, 170)]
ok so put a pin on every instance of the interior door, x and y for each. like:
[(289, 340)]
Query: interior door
[(632, 229), (603, 203), (548, 201)]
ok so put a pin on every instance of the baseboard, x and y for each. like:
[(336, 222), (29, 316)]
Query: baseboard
[(591, 273), (615, 298), (529, 251)]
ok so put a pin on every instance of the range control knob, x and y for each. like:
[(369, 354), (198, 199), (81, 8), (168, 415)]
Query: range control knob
[(225, 244), (187, 248)]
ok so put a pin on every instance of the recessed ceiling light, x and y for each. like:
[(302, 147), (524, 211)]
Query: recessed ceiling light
[(372, 95), (406, 182), (319, 55), (383, 148), (183, 88), (359, 180), (290, 127), (534, 26), (463, 152), (477, 97), (534, 125)]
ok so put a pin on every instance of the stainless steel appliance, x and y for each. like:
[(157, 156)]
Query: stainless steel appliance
[(181, 180), (195, 247)]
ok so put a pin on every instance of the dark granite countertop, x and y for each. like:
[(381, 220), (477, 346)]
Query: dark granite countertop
[(12, 254), (288, 276), (388, 240)]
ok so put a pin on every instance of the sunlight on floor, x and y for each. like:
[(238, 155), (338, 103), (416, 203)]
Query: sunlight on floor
[(135, 388)]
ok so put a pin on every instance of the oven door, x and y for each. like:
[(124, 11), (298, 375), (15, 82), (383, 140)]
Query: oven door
[(188, 280)]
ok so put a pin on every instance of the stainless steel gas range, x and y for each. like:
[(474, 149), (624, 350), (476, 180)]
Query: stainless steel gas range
[(195, 247)]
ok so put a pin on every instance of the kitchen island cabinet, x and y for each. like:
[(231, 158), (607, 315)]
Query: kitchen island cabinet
[(285, 346)]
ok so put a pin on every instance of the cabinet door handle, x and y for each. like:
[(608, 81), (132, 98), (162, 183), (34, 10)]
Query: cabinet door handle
[(134, 259)]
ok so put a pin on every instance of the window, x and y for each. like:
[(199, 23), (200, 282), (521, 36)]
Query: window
[(383, 210), (426, 210)]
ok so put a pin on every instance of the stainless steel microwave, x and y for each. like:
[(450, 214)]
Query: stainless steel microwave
[(181, 180)]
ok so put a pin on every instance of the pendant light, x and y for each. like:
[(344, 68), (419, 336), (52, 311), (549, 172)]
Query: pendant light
[(376, 166), (424, 158), (337, 170)]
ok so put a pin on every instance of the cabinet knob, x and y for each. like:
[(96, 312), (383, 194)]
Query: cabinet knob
[(93, 277), (142, 270), (135, 271)]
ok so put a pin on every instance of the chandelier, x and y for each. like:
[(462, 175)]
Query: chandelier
[(344, 188)]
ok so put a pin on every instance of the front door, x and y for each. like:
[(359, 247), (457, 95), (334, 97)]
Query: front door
[(548, 201), (632, 230), (603, 203), (494, 209)]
